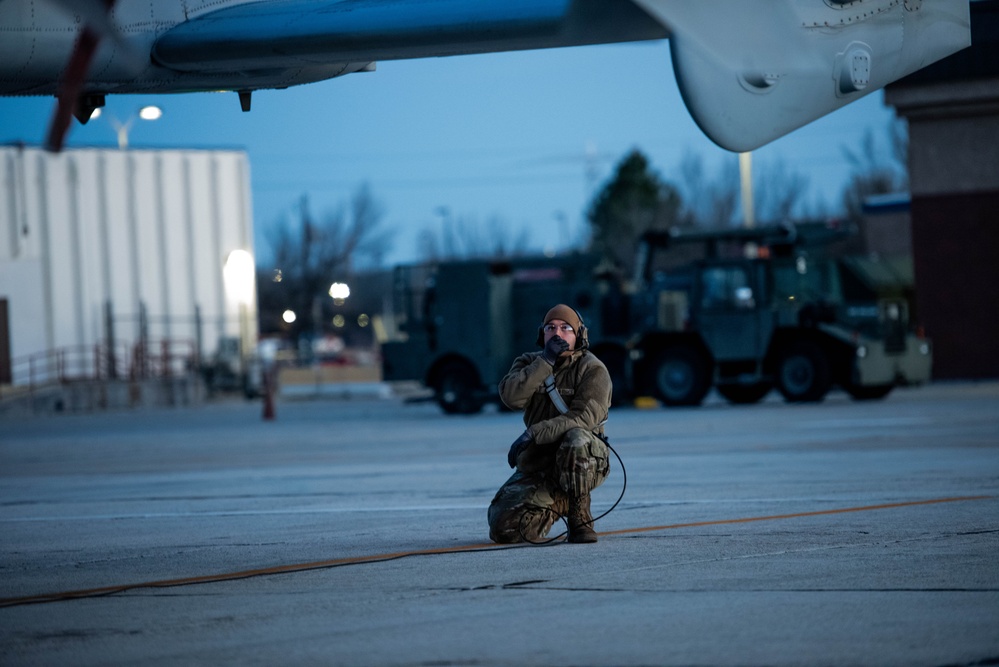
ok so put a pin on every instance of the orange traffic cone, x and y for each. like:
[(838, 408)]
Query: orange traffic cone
[(268, 395)]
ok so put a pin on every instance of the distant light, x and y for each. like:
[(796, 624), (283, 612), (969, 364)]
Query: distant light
[(362, 320), (278, 276), (238, 274), (338, 321), (289, 316), (339, 291), (150, 113)]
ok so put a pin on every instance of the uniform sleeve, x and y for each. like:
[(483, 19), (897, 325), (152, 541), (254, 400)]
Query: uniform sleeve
[(525, 376), (588, 408)]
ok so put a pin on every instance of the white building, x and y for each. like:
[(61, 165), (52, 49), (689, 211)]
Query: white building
[(125, 250)]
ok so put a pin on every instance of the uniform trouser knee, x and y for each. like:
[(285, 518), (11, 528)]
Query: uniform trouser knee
[(582, 461), (525, 523), (524, 508), (528, 504)]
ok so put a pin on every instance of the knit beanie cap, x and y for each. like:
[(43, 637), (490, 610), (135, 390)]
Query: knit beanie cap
[(566, 314)]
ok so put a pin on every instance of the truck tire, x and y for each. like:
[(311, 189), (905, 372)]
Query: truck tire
[(803, 373), (867, 393), (680, 377), (744, 394), (457, 391)]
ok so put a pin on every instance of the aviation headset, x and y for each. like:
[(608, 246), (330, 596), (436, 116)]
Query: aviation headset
[(582, 341)]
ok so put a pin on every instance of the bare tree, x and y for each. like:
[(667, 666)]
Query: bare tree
[(309, 259), (713, 200), (504, 242), (777, 192), (367, 241), (877, 170), (710, 202), (463, 238)]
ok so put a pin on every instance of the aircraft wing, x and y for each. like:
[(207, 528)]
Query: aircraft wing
[(290, 33), (749, 71)]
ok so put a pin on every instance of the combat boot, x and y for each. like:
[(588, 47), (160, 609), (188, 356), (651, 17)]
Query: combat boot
[(580, 520)]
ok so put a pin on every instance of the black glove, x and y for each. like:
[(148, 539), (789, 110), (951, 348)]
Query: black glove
[(519, 445), (554, 347)]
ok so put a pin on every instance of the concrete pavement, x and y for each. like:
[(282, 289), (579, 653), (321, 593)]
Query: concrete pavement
[(842, 533)]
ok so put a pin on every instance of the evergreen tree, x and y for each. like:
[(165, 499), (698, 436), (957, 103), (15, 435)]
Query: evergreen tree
[(634, 201)]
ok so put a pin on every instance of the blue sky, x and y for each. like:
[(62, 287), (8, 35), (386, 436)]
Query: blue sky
[(494, 139)]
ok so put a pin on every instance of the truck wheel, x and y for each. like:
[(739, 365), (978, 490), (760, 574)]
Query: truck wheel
[(680, 377), (744, 394), (803, 373), (869, 392), (457, 390)]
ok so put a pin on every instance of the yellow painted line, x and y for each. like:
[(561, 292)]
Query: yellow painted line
[(488, 546), (646, 403)]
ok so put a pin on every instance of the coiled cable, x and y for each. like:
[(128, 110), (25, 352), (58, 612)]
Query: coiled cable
[(624, 487)]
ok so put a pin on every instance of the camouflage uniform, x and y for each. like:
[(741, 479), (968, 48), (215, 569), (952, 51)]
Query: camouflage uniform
[(567, 458)]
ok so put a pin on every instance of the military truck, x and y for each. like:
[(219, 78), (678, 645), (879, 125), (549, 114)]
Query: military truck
[(775, 310), (750, 310), (459, 325)]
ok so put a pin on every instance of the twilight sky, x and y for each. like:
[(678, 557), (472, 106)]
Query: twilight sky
[(516, 139)]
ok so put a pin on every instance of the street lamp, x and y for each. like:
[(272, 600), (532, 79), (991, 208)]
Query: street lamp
[(746, 187), (145, 113), (339, 292)]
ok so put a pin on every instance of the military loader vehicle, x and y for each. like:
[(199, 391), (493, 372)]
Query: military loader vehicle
[(755, 310), (775, 310)]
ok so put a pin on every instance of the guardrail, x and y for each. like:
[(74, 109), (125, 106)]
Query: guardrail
[(166, 358)]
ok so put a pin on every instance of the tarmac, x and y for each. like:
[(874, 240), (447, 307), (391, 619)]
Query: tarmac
[(350, 530)]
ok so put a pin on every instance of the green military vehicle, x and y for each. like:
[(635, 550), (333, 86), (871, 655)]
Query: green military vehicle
[(775, 310), (459, 325), (750, 310)]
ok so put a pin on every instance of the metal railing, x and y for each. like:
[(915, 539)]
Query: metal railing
[(143, 360)]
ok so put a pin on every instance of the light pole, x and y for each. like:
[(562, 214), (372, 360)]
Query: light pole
[(746, 187), (122, 129)]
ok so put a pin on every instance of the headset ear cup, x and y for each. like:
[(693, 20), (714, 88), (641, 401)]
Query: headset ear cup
[(541, 336), (582, 341)]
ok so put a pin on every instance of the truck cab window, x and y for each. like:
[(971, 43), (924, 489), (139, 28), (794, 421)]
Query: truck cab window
[(726, 287)]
